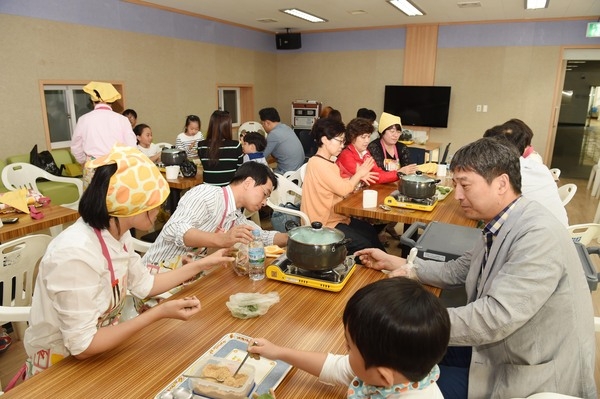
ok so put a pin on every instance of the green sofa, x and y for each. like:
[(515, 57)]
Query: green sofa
[(58, 192)]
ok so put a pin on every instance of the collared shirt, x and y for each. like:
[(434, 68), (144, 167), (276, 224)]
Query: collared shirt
[(490, 231), (204, 208)]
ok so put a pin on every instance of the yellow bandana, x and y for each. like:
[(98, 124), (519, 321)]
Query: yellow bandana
[(136, 187), (388, 120), (107, 92)]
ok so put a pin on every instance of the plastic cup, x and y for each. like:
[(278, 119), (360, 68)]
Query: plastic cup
[(172, 172), (442, 169), (369, 199)]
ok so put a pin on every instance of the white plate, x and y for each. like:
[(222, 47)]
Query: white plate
[(442, 196)]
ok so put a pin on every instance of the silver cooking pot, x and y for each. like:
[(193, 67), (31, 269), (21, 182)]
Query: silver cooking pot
[(172, 156), (418, 186), (316, 247)]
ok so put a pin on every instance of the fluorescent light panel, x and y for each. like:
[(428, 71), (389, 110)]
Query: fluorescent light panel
[(303, 15), (536, 4), (406, 7)]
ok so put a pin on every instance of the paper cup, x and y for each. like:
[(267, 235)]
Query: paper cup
[(172, 172), (369, 199), (442, 169)]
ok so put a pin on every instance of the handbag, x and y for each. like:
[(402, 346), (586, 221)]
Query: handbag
[(44, 160), (188, 168)]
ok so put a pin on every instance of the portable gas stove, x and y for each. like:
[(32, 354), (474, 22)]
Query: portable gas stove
[(402, 201), (330, 280)]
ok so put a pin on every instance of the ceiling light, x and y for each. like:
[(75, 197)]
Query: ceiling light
[(304, 15), (406, 7), (536, 4)]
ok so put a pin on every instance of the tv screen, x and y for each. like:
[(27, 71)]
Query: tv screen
[(418, 105)]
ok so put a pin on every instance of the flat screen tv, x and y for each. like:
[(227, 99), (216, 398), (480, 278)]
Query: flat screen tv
[(418, 105)]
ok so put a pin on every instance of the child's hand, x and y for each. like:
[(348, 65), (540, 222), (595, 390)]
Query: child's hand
[(181, 309), (265, 348), (219, 257)]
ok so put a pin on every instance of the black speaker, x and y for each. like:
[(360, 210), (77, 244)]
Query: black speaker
[(288, 41)]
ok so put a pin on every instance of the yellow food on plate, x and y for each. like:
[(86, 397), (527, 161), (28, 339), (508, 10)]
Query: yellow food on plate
[(273, 250), (223, 375), (428, 168)]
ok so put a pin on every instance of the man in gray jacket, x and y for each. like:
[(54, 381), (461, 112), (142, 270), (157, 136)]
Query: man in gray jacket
[(528, 324)]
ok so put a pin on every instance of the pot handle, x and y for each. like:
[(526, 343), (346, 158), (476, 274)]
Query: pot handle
[(339, 244)]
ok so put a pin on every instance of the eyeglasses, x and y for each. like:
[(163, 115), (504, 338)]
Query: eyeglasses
[(341, 141)]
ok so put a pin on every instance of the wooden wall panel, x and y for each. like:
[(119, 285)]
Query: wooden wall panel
[(420, 54)]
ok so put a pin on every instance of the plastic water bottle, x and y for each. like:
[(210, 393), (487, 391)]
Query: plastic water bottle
[(256, 257)]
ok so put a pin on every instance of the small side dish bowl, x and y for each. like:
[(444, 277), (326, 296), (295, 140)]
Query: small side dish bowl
[(228, 389)]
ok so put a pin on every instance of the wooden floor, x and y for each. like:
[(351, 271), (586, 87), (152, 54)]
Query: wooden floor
[(580, 210)]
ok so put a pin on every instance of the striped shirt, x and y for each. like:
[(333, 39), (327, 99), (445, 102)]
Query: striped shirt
[(230, 158), (202, 207)]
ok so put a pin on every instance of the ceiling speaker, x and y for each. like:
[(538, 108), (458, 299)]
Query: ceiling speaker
[(288, 41)]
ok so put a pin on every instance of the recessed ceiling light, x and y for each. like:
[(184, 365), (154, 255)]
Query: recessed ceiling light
[(536, 4), (303, 15), (406, 7)]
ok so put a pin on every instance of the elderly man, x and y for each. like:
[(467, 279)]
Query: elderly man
[(282, 142), (528, 325)]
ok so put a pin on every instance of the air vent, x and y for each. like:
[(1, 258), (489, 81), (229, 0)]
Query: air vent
[(267, 20), (468, 4), (357, 12)]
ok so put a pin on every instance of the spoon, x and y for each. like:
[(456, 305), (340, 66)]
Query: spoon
[(204, 376), (241, 364)]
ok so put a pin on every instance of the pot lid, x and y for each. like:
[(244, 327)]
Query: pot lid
[(316, 234), (172, 150), (418, 177)]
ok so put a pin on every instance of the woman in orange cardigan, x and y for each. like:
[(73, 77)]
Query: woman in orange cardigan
[(358, 133)]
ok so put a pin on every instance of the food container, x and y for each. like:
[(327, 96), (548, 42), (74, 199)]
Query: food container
[(418, 186), (172, 156), (211, 388), (316, 247)]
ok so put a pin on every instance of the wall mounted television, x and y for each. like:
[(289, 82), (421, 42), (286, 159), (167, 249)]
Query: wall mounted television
[(418, 105)]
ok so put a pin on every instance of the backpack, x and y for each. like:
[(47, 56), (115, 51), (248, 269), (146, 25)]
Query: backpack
[(44, 160)]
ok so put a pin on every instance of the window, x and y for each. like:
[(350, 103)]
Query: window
[(63, 103), (229, 100)]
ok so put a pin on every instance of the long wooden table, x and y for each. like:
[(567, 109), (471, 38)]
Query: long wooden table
[(54, 215), (179, 184), (446, 211), (305, 318)]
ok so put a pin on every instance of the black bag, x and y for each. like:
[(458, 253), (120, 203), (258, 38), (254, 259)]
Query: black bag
[(279, 219), (188, 168), (44, 160)]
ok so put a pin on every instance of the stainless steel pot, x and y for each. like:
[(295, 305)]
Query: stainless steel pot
[(316, 247), (172, 156), (418, 186)]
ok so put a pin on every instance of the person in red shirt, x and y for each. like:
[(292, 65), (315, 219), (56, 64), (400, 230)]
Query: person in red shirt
[(358, 133)]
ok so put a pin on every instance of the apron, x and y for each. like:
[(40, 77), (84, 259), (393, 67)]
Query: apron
[(390, 163), (45, 358)]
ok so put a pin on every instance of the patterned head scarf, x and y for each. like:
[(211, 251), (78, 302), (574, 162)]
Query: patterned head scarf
[(136, 187), (102, 91)]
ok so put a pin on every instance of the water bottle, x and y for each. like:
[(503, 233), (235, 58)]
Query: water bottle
[(256, 257)]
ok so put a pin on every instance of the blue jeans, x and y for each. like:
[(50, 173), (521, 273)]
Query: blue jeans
[(454, 372)]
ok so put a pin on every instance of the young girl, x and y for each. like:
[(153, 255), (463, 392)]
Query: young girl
[(88, 268), (396, 332), (143, 134), (188, 140)]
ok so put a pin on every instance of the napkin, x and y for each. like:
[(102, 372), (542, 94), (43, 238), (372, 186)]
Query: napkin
[(17, 199)]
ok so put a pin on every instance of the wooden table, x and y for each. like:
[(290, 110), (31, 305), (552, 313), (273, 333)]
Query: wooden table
[(446, 211), (179, 184), (305, 318), (54, 215)]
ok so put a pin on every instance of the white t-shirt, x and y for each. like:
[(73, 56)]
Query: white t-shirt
[(73, 288), (150, 152), (189, 143), (537, 184), (336, 370)]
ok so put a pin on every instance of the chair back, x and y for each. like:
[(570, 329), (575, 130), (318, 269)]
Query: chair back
[(555, 173), (585, 233), (445, 156), (251, 126), (287, 191), (296, 176), (164, 145), (20, 258), (24, 175), (567, 192)]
